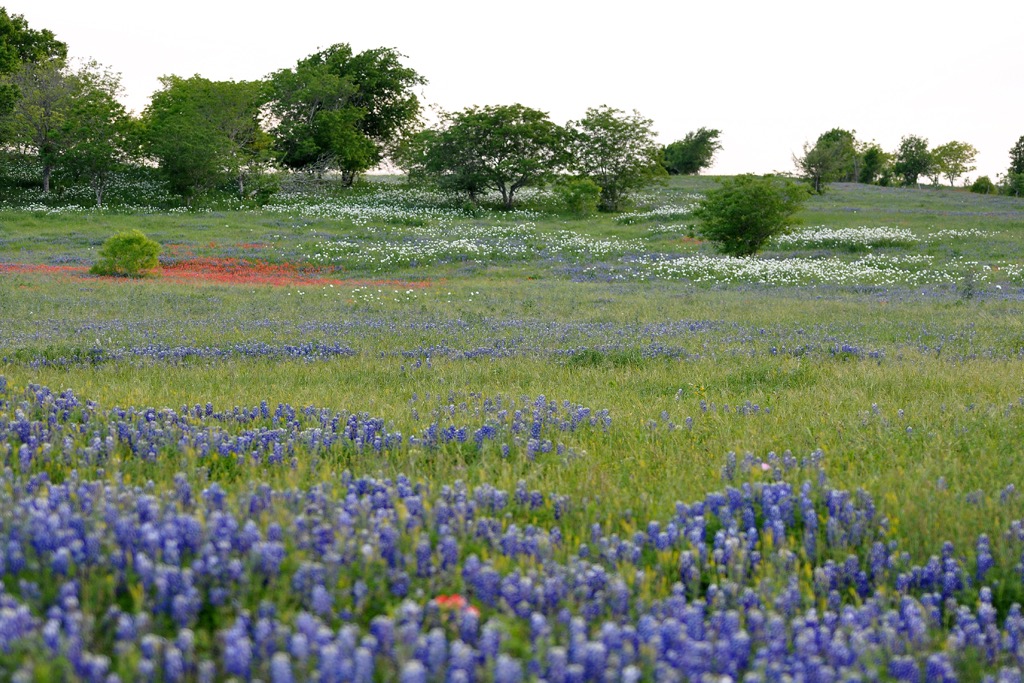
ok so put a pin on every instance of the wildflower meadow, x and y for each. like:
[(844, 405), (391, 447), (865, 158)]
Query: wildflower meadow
[(372, 434)]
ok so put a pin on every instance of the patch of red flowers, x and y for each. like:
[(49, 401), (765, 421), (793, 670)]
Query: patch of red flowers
[(231, 271), (455, 602), (40, 268), (247, 272)]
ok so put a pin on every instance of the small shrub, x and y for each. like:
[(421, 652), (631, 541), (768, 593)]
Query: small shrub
[(127, 254), (746, 211), (983, 185), (579, 196)]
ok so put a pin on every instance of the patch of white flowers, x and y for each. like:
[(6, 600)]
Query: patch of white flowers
[(392, 247), (662, 212), (821, 236), (879, 269), (962, 233)]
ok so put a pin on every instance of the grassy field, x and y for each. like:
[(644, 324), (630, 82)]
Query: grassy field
[(625, 455)]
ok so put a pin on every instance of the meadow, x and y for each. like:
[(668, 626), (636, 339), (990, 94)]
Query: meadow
[(376, 434)]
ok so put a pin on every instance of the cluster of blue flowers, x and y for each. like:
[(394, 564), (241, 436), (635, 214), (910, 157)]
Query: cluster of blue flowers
[(40, 427), (778, 576), (417, 339)]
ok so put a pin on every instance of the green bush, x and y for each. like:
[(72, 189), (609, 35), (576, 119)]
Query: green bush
[(127, 254), (983, 185), (579, 196), (747, 210)]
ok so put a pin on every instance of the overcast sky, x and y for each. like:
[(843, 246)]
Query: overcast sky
[(769, 75)]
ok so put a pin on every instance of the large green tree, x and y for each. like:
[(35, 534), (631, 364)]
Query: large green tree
[(833, 158), (344, 111), (874, 161), (617, 151), (20, 45), (954, 159), (912, 159), (205, 134), (695, 152), (46, 90), (96, 135), (505, 148), (1017, 157)]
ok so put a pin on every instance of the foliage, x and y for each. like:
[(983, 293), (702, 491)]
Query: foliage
[(206, 134), (617, 151), (954, 159), (97, 132), (983, 185), (1017, 156), (20, 45), (874, 162), (127, 254), (695, 152), (345, 111), (746, 211), (579, 196), (912, 159), (1013, 184), (505, 147), (832, 158), (46, 90)]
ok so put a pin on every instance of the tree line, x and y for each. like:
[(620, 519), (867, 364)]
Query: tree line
[(333, 111), (837, 156), (344, 112)]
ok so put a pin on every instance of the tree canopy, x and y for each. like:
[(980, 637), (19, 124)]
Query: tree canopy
[(954, 159), (97, 132), (1017, 157), (833, 158), (20, 45), (45, 90), (344, 111), (206, 133), (505, 148), (912, 159), (617, 151), (695, 152)]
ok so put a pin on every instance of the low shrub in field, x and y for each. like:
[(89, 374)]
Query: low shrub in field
[(747, 211), (579, 196), (127, 254), (984, 185)]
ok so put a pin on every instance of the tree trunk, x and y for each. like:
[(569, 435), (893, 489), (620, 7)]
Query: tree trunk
[(47, 172)]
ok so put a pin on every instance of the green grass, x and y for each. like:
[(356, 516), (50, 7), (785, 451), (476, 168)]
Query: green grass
[(953, 365)]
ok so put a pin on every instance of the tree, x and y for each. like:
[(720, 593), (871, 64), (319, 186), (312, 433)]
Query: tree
[(912, 159), (345, 111), (874, 161), (95, 135), (693, 153), (20, 45), (207, 133), (46, 90), (833, 158), (504, 147), (1017, 157), (954, 159), (617, 151), (1013, 184), (747, 210)]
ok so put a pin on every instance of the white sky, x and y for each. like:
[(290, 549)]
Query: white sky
[(770, 74)]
